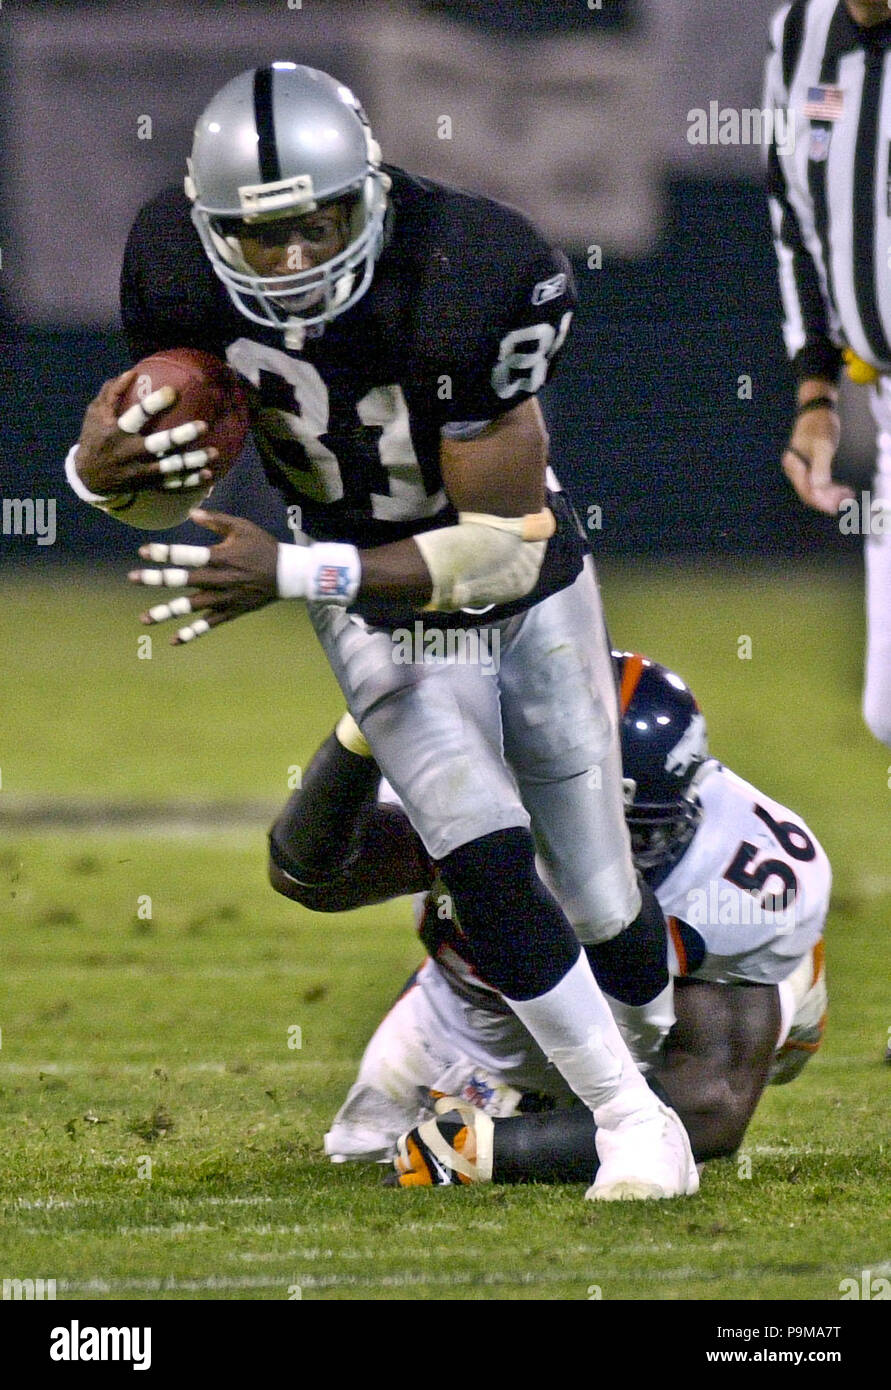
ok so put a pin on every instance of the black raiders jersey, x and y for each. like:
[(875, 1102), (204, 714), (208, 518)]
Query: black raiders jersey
[(466, 315)]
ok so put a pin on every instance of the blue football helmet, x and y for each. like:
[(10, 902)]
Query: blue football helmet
[(664, 744)]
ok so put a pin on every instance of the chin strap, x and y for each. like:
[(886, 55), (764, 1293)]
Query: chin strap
[(295, 334)]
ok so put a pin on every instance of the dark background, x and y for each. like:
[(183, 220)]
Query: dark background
[(644, 414)]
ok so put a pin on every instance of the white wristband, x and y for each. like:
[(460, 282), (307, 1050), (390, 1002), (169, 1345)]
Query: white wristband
[(324, 571), (75, 481), (107, 504)]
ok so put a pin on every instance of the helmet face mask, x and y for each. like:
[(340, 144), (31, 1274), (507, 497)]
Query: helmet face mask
[(274, 145), (664, 745), (659, 838), (331, 288)]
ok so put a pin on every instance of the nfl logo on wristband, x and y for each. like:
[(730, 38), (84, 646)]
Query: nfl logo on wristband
[(332, 581)]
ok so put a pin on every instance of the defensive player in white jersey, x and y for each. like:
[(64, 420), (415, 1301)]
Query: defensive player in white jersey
[(744, 886)]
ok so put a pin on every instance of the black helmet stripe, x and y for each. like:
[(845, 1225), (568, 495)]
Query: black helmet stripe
[(270, 169)]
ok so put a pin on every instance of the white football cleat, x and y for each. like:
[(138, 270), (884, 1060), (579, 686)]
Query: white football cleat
[(643, 1159)]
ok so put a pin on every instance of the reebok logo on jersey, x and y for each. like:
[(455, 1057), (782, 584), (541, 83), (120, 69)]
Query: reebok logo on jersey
[(549, 289)]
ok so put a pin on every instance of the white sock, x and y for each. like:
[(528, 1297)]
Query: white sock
[(574, 1028), (645, 1026)]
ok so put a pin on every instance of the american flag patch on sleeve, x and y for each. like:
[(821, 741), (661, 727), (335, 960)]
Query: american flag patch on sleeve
[(824, 103)]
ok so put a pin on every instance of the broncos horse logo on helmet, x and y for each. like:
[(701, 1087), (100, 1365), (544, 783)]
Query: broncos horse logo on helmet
[(280, 142), (664, 744)]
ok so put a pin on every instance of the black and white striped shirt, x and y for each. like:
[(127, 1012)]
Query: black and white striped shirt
[(830, 184)]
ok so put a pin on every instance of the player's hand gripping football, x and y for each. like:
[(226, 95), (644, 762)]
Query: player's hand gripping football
[(237, 576), (808, 459), (113, 457)]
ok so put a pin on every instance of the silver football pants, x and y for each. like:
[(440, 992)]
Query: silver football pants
[(514, 726)]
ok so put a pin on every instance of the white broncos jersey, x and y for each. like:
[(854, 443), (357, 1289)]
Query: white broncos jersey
[(747, 900), (750, 895)]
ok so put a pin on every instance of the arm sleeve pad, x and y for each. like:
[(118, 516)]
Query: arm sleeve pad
[(485, 559), (148, 510)]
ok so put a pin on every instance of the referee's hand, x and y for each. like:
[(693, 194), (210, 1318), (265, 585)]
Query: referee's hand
[(808, 459)]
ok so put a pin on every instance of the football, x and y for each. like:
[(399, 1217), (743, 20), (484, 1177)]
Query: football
[(207, 389)]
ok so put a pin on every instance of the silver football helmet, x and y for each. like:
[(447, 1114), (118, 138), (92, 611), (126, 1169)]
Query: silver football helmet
[(277, 142)]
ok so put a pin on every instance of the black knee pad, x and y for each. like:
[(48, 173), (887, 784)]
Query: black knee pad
[(520, 940), (633, 966)]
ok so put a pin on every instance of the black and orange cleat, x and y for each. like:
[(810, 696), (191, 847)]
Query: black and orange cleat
[(453, 1149)]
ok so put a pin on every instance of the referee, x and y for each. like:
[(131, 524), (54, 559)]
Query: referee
[(830, 202)]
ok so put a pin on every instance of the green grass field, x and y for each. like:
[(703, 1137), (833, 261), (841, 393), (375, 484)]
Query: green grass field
[(160, 1137)]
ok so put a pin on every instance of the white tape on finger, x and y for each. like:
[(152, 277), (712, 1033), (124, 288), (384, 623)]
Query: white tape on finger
[(181, 463), (159, 400), (164, 579), (132, 420), (175, 579), (161, 554), (177, 608), (188, 634), (163, 440), (176, 484), (193, 555), (184, 434)]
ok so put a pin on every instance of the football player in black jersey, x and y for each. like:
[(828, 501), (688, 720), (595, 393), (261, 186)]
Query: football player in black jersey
[(396, 333)]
